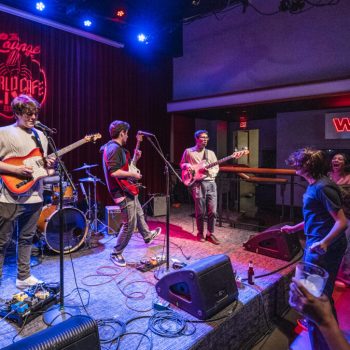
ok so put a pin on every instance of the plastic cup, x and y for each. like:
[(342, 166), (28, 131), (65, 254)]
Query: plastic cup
[(312, 277)]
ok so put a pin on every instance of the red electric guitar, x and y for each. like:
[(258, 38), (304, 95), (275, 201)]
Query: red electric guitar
[(35, 160), (130, 185)]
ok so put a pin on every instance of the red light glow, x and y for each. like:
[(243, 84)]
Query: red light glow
[(120, 13)]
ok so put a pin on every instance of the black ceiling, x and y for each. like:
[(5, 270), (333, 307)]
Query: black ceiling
[(161, 19)]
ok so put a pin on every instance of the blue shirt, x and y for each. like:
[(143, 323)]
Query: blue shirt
[(319, 199)]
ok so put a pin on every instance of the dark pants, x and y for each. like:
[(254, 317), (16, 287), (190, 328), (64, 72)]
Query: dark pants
[(204, 195), (132, 217), (27, 216), (330, 262)]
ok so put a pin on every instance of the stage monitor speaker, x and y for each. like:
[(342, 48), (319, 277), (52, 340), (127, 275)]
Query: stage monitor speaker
[(76, 333), (113, 219), (157, 206), (202, 288), (274, 243)]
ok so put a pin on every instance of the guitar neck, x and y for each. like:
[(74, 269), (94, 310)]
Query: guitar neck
[(69, 148), (134, 159), (219, 161)]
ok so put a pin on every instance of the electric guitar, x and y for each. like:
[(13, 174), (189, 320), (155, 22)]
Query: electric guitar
[(34, 159), (198, 171), (131, 185)]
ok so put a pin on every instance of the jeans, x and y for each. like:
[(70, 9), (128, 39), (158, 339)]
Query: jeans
[(27, 216), (204, 194), (132, 217), (330, 262)]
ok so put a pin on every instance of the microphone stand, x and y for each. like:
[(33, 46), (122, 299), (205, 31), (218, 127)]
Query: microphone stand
[(59, 313), (161, 272)]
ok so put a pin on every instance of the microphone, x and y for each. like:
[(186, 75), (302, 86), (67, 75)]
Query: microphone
[(140, 132), (44, 127)]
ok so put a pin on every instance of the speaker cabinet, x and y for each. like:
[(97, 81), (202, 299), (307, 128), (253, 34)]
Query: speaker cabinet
[(113, 219), (274, 243), (157, 206), (76, 333), (203, 288)]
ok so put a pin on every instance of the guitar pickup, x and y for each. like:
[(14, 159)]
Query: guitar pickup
[(24, 182)]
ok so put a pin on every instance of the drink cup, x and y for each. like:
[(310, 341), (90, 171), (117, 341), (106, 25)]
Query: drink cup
[(312, 277)]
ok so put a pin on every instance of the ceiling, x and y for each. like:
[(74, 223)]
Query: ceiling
[(160, 20)]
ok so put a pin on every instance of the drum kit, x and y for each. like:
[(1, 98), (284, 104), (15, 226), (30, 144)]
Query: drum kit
[(79, 225)]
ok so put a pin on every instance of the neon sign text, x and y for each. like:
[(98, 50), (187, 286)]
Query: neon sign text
[(342, 124)]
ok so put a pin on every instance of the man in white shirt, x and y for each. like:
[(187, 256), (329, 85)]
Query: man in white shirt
[(17, 140), (204, 192)]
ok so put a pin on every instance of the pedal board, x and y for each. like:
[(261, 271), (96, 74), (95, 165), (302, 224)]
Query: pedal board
[(149, 265), (29, 304)]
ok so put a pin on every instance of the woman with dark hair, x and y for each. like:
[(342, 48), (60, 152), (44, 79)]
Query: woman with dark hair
[(340, 174), (324, 223)]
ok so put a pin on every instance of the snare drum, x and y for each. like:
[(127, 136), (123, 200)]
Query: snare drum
[(68, 193), (74, 228)]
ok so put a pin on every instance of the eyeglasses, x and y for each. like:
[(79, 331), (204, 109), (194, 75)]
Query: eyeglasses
[(29, 114)]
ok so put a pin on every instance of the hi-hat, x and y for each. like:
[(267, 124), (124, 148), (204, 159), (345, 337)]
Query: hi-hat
[(86, 166), (88, 179)]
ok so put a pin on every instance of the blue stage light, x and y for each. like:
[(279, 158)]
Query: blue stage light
[(40, 6), (87, 23), (142, 38)]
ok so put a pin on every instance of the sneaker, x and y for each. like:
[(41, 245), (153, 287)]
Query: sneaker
[(201, 238), (118, 259), (211, 238), (153, 235), (28, 282)]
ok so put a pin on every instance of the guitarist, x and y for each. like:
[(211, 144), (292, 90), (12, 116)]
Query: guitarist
[(204, 192), (17, 140), (116, 160)]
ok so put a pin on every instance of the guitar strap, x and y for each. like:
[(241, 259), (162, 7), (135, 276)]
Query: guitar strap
[(205, 155), (38, 141)]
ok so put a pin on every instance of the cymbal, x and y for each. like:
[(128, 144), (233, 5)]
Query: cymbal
[(85, 166), (88, 179)]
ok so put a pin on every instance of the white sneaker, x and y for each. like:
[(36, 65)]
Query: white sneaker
[(28, 282)]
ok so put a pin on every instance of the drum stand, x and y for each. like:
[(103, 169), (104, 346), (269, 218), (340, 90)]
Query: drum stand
[(92, 211)]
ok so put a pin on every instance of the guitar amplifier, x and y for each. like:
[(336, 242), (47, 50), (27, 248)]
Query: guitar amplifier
[(157, 206), (113, 219)]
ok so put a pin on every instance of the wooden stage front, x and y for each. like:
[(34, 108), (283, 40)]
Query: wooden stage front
[(109, 292)]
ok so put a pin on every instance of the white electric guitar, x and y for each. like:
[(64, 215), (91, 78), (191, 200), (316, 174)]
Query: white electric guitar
[(199, 171)]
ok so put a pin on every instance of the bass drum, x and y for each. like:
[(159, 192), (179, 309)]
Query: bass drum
[(74, 228)]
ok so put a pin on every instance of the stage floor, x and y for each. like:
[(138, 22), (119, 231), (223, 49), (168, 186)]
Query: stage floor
[(126, 293)]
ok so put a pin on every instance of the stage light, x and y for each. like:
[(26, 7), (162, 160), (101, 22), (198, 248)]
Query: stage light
[(87, 23), (142, 38), (120, 13), (40, 6)]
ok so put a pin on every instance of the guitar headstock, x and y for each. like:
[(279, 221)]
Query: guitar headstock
[(139, 137), (241, 153), (92, 137)]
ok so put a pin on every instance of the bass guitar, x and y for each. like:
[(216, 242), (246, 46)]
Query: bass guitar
[(130, 184), (198, 171), (35, 160)]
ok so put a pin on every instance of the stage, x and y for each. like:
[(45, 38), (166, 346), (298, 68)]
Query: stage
[(110, 292)]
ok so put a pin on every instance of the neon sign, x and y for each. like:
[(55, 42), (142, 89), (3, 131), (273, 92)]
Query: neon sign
[(341, 124), (20, 72)]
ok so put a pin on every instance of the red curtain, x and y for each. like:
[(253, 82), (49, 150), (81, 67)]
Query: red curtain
[(90, 84)]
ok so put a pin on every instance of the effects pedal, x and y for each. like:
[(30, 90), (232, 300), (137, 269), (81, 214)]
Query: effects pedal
[(149, 264), (29, 304)]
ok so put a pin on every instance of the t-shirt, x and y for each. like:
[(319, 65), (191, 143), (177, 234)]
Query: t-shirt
[(18, 142), (193, 157), (114, 157), (319, 199)]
